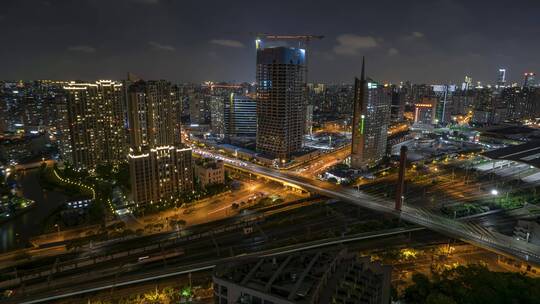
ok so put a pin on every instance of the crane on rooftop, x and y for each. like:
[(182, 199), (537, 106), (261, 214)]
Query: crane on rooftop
[(302, 39)]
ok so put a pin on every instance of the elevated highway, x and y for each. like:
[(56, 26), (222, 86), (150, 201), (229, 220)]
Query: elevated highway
[(465, 231)]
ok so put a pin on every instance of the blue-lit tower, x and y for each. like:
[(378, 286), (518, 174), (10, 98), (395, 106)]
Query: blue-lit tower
[(281, 100)]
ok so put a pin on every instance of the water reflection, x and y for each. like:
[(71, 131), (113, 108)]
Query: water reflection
[(16, 233)]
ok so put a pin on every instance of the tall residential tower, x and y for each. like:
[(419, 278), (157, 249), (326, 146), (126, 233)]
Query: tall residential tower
[(372, 103), (160, 166), (95, 121)]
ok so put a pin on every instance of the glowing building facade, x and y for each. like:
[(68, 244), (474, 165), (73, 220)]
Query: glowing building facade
[(160, 166), (94, 127), (372, 102)]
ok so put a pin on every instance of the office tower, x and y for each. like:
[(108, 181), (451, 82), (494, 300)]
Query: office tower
[(333, 103), (217, 123), (96, 125), (501, 78), (425, 111), (444, 94), (240, 117), (483, 106), (220, 95), (160, 166), (467, 84), (398, 104), (419, 91), (3, 109), (517, 103), (372, 103), (199, 106), (309, 119), (281, 101), (322, 276), (529, 80)]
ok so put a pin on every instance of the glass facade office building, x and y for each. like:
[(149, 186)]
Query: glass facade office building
[(240, 117)]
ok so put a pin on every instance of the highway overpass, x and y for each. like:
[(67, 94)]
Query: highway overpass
[(468, 232)]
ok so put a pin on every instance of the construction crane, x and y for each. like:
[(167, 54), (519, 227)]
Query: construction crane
[(303, 42)]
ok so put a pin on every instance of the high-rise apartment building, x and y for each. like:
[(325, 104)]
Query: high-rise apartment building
[(217, 123), (160, 166), (159, 174), (281, 101), (152, 120), (371, 117), (95, 122)]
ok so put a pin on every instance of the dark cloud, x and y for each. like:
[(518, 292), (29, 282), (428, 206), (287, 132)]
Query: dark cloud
[(228, 43), (420, 40), (161, 47), (393, 52), (146, 1), (351, 44), (82, 49)]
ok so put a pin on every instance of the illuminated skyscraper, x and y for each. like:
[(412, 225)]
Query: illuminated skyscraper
[(160, 166), (281, 101), (240, 117), (529, 80), (425, 111), (372, 103), (96, 124), (398, 103), (467, 84), (217, 104), (501, 78), (152, 107)]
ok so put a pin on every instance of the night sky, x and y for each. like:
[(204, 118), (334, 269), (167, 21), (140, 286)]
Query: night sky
[(430, 41)]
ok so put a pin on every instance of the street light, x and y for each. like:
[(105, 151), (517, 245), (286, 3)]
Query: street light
[(494, 192)]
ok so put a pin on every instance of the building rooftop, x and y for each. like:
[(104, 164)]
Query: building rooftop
[(208, 163), (311, 277), (528, 153)]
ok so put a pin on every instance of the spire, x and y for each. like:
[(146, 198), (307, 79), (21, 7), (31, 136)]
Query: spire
[(363, 75)]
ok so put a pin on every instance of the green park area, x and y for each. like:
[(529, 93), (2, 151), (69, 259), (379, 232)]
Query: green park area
[(166, 295), (472, 284), (79, 184)]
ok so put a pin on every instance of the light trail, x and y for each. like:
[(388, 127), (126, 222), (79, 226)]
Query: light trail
[(483, 238)]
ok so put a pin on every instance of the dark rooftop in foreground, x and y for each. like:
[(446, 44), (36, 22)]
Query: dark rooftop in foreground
[(528, 153), (330, 276)]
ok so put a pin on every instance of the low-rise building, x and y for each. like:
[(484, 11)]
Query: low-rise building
[(333, 276), (209, 171), (528, 231)]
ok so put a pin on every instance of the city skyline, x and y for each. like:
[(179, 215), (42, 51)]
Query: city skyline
[(91, 41), (269, 152)]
